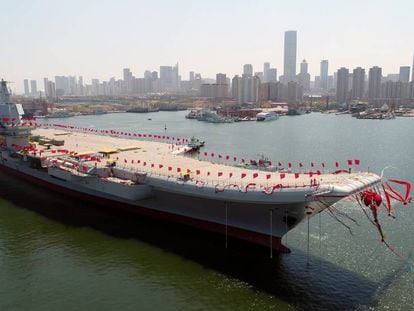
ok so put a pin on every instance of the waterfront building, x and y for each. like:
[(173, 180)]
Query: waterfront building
[(127, 80), (266, 68), (272, 91), (33, 87), (374, 85), (358, 83), (324, 74), (272, 75), (247, 70), (191, 75), (342, 85), (215, 90), (50, 90), (45, 86), (290, 50), (294, 93), (26, 87), (404, 75), (304, 76), (245, 89)]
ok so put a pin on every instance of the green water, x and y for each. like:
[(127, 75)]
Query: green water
[(58, 253)]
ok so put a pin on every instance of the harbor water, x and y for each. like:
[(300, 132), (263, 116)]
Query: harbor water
[(57, 253)]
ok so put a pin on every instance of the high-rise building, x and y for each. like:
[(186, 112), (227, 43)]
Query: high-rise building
[(374, 84), (342, 85), (272, 75), (221, 78), (324, 74), (45, 86), (191, 75), (245, 89), (33, 87), (412, 71), (358, 83), (266, 67), (26, 87), (128, 79), (404, 74), (304, 76), (248, 70), (289, 64)]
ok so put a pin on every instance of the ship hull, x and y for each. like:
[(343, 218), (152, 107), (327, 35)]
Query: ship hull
[(250, 236)]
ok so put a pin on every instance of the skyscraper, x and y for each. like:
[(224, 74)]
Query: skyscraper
[(404, 74), (342, 85), (304, 76), (248, 70), (272, 75), (46, 86), (266, 67), (26, 87), (33, 87), (374, 84), (289, 65), (412, 71), (324, 74), (358, 83)]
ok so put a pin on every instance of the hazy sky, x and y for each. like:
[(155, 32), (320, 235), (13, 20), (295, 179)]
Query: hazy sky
[(97, 39)]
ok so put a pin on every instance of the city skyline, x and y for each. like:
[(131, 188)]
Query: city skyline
[(69, 40)]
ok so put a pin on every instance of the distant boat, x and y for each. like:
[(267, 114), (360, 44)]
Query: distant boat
[(266, 116)]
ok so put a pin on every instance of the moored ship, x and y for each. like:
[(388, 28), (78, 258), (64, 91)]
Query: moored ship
[(140, 173)]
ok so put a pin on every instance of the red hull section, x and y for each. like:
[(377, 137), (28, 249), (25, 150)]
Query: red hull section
[(249, 236)]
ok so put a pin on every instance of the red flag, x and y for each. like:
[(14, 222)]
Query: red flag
[(270, 162), (230, 175), (336, 164), (234, 159), (312, 165), (268, 176), (208, 173), (125, 160), (255, 175), (349, 162), (170, 168), (132, 161), (152, 165), (219, 174), (357, 162), (160, 166), (282, 175), (310, 174), (227, 157), (323, 164), (279, 164), (300, 164), (243, 175), (219, 156), (145, 163), (212, 155), (198, 172), (205, 153), (290, 164), (296, 175), (243, 161), (178, 169)]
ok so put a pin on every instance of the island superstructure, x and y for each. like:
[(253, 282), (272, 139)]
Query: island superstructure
[(148, 176)]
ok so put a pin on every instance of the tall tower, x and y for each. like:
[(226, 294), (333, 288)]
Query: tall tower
[(247, 70), (324, 74), (374, 84), (342, 85), (289, 67), (26, 87), (358, 83)]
